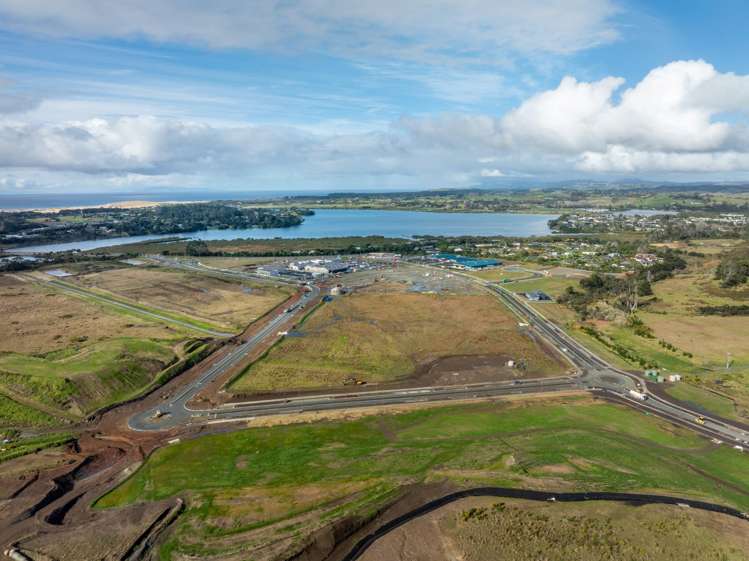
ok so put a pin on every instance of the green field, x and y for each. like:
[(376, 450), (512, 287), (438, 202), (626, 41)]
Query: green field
[(678, 331), (71, 362), (704, 399), (23, 446), (15, 414), (551, 285), (260, 477)]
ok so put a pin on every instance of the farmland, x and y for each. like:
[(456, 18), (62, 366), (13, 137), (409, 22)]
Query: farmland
[(385, 333), (274, 485)]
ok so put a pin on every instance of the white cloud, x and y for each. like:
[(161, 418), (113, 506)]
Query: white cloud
[(671, 122), (672, 108), (492, 173), (621, 159), (566, 119), (14, 101), (414, 29)]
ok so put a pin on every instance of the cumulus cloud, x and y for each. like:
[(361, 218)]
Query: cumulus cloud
[(417, 28), (672, 121), (492, 173)]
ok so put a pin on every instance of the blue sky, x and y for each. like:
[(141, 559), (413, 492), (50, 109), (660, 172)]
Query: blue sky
[(329, 94)]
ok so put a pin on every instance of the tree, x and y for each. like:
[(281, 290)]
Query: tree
[(197, 248)]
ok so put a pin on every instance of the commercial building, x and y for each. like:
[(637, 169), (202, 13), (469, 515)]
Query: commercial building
[(304, 269), (538, 296), (462, 262), (383, 256)]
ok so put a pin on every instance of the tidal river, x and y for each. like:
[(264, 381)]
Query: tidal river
[(342, 223)]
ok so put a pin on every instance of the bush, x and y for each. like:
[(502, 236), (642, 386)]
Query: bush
[(725, 310)]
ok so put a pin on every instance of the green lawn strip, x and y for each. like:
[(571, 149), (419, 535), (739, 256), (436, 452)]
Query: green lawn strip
[(600, 349), (703, 399), (625, 451), (24, 446), (15, 414), (111, 301), (651, 350), (551, 285)]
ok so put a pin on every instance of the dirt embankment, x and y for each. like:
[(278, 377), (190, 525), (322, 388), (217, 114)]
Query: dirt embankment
[(334, 541)]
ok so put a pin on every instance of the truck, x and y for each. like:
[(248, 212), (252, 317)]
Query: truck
[(638, 395)]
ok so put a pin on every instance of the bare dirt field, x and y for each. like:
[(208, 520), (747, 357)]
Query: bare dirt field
[(216, 301), (411, 278), (477, 529), (387, 331)]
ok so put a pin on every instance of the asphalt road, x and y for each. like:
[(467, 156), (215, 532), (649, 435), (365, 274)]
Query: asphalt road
[(599, 376), (174, 411), (593, 374)]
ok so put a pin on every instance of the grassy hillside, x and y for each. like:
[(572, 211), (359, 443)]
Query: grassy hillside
[(61, 357), (285, 481)]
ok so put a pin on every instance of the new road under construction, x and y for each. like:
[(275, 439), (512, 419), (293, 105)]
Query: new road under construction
[(113, 444), (593, 374)]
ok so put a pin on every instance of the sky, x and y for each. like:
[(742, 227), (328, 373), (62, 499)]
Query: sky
[(257, 95)]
